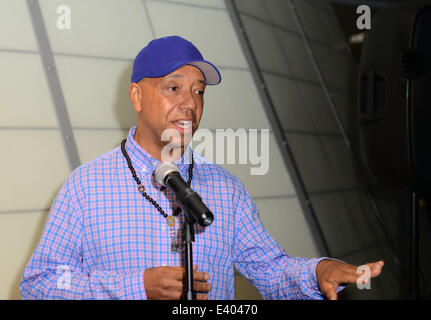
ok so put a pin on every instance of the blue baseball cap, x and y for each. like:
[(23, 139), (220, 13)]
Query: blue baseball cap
[(165, 55)]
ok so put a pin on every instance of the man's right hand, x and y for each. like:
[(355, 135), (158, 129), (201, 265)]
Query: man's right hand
[(167, 283)]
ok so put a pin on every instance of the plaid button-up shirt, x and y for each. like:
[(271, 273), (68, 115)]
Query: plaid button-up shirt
[(101, 234)]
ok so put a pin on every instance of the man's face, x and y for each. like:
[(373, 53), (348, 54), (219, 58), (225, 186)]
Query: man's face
[(174, 102)]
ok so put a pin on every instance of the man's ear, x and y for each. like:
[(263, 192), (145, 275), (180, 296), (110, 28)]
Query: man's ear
[(135, 95)]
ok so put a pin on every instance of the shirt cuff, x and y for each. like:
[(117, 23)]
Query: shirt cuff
[(134, 286)]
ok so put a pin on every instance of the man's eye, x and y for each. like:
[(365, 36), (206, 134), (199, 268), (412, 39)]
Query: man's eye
[(200, 92), (173, 88)]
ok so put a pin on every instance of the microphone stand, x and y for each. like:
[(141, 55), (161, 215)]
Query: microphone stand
[(167, 174), (188, 237)]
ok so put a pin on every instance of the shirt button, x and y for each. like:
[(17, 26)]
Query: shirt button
[(163, 227), (163, 264)]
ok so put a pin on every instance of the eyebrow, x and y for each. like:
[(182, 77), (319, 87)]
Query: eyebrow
[(176, 75)]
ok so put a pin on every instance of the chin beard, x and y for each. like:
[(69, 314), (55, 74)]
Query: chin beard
[(174, 143), (173, 150)]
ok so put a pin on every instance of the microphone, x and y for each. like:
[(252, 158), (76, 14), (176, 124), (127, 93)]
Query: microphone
[(168, 174)]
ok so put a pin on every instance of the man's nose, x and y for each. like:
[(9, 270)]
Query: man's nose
[(189, 102)]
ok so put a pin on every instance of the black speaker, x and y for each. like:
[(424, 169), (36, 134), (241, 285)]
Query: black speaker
[(394, 96)]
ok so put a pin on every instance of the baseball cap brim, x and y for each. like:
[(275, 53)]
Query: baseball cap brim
[(210, 72)]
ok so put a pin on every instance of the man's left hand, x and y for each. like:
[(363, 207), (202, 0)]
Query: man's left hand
[(331, 273)]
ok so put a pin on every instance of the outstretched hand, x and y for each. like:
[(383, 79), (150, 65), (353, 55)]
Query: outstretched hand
[(331, 273)]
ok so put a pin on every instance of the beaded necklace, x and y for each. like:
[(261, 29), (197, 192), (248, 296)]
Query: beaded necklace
[(170, 219)]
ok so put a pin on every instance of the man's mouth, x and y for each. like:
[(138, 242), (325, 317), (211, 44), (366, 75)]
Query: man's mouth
[(183, 124)]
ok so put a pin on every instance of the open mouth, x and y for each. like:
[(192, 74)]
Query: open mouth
[(183, 124)]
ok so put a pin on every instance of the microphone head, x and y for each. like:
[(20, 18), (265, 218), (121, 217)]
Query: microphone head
[(206, 219), (163, 170)]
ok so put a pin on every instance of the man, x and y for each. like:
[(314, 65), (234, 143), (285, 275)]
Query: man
[(114, 233)]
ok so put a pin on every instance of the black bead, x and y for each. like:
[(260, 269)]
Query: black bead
[(138, 181)]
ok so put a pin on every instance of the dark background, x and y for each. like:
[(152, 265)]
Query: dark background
[(396, 200), (357, 217)]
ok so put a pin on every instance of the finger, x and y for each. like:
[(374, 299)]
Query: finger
[(202, 296), (173, 268), (349, 272), (332, 295), (184, 271), (349, 268), (329, 290), (176, 273), (340, 276), (370, 270), (179, 273), (375, 268), (201, 286), (197, 275), (201, 276)]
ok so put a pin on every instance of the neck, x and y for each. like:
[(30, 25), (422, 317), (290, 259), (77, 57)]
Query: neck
[(155, 150)]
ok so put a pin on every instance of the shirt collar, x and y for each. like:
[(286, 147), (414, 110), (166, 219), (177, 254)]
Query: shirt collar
[(145, 162)]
